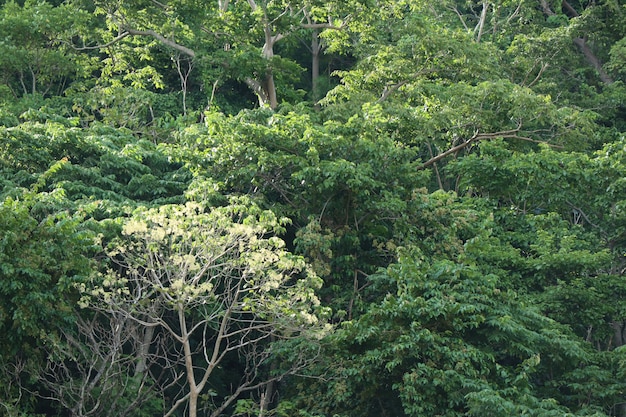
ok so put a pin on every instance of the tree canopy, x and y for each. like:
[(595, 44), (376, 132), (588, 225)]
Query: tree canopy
[(312, 208)]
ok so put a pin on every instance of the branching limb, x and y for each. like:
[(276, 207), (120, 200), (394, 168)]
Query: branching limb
[(390, 89), (455, 10), (544, 66), (118, 38), (165, 41), (512, 134)]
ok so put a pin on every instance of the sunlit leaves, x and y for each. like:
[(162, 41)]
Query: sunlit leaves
[(188, 257)]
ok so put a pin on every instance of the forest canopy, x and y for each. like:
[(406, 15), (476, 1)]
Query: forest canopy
[(312, 208)]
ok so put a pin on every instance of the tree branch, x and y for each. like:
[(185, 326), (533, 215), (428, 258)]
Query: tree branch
[(133, 32), (513, 134), (163, 40), (455, 10), (541, 70), (258, 90), (389, 89), (581, 43), (106, 45), (570, 10), (322, 26), (481, 23)]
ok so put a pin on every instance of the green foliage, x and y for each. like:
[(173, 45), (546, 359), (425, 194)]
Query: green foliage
[(104, 164), (32, 58), (459, 191), (333, 180), (42, 258), (44, 252), (449, 341)]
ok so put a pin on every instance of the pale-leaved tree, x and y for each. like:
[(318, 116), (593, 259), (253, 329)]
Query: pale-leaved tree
[(203, 285)]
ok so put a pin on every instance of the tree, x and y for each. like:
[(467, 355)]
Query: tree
[(44, 253), (346, 186), (497, 294), (447, 339), (207, 284), (32, 58), (105, 166), (89, 371), (224, 40)]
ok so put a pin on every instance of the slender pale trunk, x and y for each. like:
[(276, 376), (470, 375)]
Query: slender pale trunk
[(194, 390), (268, 54), (266, 397), (481, 23), (271, 89)]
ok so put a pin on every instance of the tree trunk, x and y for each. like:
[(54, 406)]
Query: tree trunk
[(143, 350), (316, 48), (270, 88), (266, 397), (194, 390), (268, 53), (481, 23), (259, 90), (193, 403), (592, 59)]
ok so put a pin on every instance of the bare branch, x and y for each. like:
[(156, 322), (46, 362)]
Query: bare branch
[(159, 4), (512, 134), (516, 12), (106, 45), (544, 66), (323, 26), (570, 10), (455, 10)]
